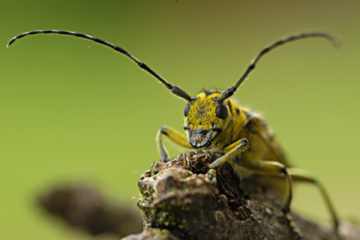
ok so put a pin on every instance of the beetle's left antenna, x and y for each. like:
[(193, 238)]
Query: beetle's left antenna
[(173, 88)]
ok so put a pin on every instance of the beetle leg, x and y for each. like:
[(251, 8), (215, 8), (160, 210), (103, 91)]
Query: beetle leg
[(231, 152), (301, 176), (172, 134)]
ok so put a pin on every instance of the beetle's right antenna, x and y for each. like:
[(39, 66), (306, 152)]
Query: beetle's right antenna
[(230, 91), (173, 88)]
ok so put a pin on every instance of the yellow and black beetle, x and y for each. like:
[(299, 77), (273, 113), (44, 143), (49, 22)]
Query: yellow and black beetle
[(215, 121)]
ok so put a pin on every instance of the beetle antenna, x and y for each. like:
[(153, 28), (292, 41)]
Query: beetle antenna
[(173, 88), (230, 91)]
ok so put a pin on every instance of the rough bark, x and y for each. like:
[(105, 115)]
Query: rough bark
[(189, 202), (182, 199)]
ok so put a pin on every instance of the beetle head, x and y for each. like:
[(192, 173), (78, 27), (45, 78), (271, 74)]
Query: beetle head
[(205, 117)]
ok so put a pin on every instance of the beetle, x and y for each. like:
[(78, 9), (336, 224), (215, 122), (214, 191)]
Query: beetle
[(214, 120)]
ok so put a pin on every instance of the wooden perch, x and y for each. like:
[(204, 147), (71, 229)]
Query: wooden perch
[(83, 207), (182, 199)]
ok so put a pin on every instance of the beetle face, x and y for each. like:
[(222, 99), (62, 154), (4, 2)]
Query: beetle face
[(205, 117), (200, 138)]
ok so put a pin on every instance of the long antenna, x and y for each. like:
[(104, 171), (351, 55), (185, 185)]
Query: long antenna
[(230, 91), (173, 88)]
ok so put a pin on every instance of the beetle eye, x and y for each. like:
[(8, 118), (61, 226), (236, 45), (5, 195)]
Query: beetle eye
[(221, 111), (186, 110)]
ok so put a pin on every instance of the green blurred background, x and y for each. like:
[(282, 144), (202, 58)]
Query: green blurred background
[(72, 110)]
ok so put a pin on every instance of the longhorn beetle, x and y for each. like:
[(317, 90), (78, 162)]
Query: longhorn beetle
[(213, 120)]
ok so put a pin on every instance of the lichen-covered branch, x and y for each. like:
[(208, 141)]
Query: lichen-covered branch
[(83, 207), (183, 200), (186, 201)]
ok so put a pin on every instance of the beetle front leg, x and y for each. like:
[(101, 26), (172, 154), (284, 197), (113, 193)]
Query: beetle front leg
[(267, 168), (231, 152), (175, 136)]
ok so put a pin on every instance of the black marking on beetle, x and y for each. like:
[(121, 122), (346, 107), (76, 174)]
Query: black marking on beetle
[(221, 111), (187, 109), (163, 131), (250, 126), (228, 103), (207, 92)]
